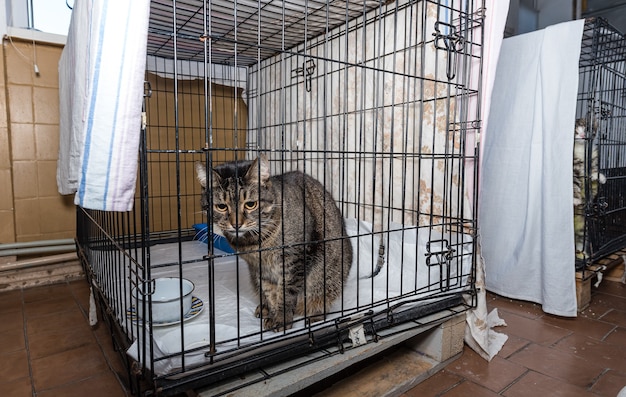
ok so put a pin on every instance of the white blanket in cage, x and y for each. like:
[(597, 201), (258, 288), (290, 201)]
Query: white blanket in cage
[(405, 271)]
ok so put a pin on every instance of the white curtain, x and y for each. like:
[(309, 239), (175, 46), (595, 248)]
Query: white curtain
[(526, 210)]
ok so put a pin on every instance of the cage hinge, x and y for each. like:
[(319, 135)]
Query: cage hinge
[(439, 253), (448, 39), (307, 69)]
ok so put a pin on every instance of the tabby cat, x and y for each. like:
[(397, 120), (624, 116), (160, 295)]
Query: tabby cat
[(290, 232), (581, 145)]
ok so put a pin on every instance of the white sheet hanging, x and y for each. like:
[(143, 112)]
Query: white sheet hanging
[(526, 209), (479, 333), (101, 73)]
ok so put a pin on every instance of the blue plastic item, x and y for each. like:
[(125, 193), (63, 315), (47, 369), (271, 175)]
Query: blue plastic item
[(219, 242)]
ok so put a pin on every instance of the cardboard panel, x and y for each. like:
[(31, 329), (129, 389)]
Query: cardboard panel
[(183, 105)]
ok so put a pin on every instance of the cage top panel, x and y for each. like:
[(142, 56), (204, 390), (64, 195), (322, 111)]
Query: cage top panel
[(243, 32), (601, 43)]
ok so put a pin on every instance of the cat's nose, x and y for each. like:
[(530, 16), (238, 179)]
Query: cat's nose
[(236, 222)]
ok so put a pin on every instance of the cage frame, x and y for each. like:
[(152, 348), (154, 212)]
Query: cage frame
[(601, 69), (131, 237)]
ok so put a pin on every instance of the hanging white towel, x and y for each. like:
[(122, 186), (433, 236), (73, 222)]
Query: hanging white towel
[(101, 74), (526, 210)]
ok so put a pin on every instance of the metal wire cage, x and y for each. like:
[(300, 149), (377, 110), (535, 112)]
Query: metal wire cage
[(602, 103), (379, 101)]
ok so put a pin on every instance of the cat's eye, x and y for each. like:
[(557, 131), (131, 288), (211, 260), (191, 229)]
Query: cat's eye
[(221, 207), (250, 205)]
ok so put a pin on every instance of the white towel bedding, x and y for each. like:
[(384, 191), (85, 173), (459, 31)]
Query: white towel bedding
[(405, 270)]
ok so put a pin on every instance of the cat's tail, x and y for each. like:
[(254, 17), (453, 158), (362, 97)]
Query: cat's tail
[(380, 262)]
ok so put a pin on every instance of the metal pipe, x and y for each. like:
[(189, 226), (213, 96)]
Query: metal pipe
[(39, 243), (37, 247), (35, 262), (54, 249)]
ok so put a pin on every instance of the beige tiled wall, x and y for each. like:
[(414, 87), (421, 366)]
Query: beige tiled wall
[(30, 206), (7, 226)]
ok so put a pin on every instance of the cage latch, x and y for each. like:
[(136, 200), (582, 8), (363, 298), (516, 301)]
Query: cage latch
[(307, 70), (439, 253), (147, 287), (448, 39)]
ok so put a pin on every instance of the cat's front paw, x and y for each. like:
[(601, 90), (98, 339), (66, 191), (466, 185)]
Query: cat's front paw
[(577, 201), (278, 322), (261, 311), (601, 178)]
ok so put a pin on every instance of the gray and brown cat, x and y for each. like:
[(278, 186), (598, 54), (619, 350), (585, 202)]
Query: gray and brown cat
[(586, 175), (288, 229)]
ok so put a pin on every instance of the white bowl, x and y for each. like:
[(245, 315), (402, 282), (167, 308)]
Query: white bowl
[(166, 297)]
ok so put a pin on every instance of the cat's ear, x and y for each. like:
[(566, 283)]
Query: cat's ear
[(217, 179), (201, 174), (260, 168)]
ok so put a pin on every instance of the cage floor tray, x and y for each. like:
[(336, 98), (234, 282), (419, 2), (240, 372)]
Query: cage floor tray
[(426, 350)]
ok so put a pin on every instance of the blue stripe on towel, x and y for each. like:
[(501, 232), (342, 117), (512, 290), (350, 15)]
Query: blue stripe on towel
[(115, 113), (92, 105)]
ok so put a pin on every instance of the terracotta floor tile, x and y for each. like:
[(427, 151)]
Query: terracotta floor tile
[(513, 343), (617, 337), (610, 383), (599, 353), (536, 331), (544, 356), (12, 340), (521, 308), (48, 307), (494, 375), (601, 303), (49, 343), (558, 364), (66, 320), (80, 290), (11, 320), (612, 288), (102, 385), (103, 336), (581, 325), (17, 388), (535, 384), (11, 301), (436, 384), (617, 317), (47, 292), (594, 312), (468, 388), (69, 366), (14, 366)]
